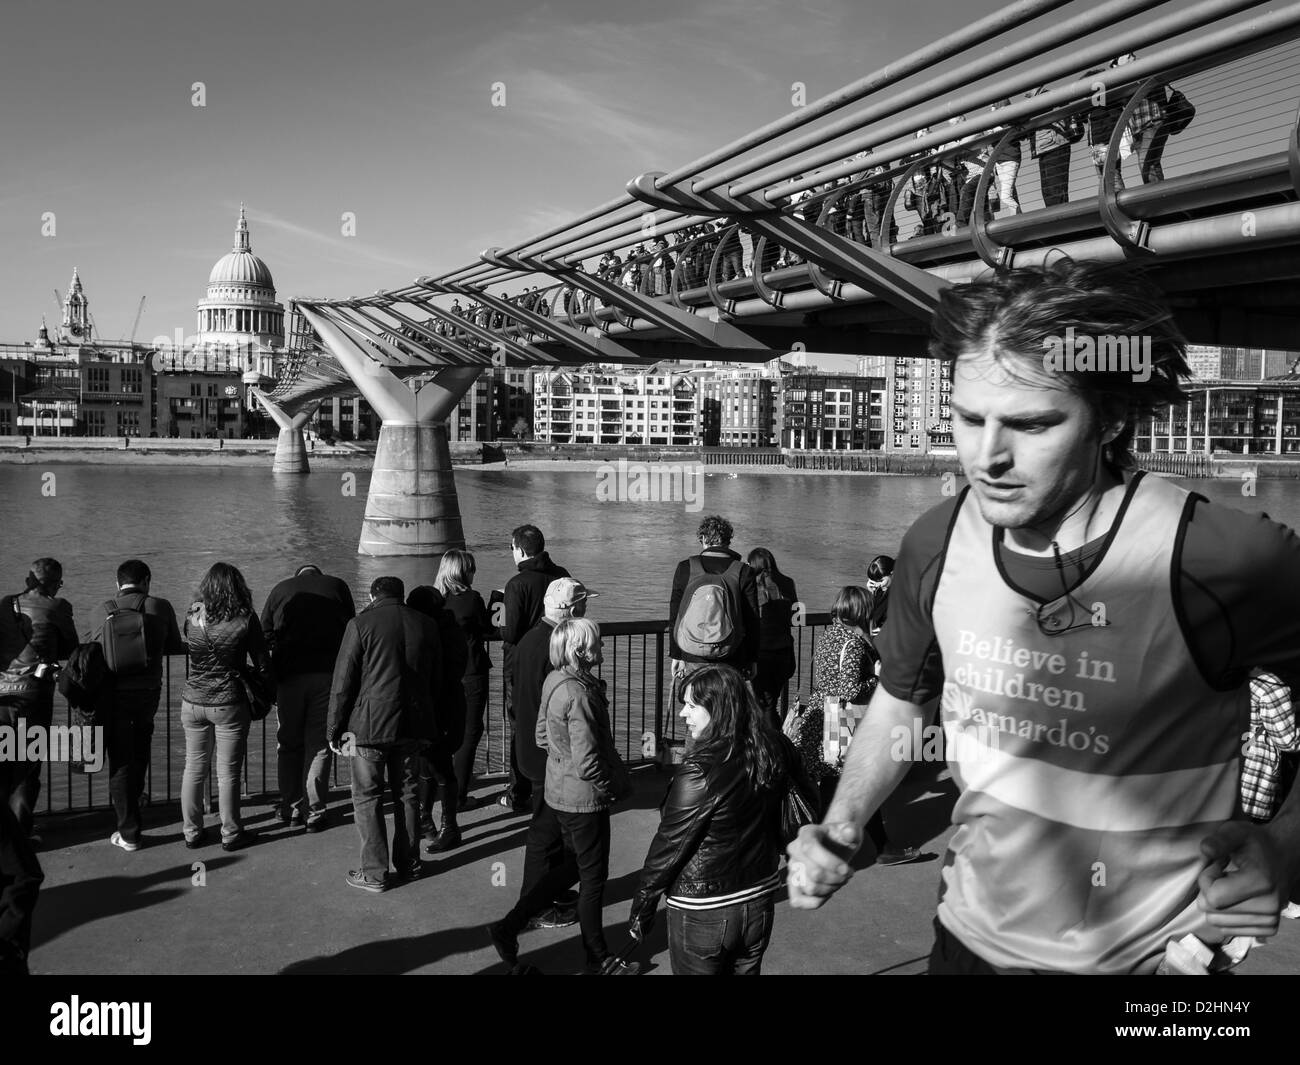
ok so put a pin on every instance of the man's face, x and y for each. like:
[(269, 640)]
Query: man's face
[(1028, 444)]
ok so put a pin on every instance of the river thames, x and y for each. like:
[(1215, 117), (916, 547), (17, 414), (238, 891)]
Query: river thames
[(823, 529)]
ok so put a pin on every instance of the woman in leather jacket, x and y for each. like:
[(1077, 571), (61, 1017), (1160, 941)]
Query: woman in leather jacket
[(718, 848), (223, 634)]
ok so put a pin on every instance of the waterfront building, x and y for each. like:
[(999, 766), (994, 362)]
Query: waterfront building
[(604, 405), (918, 419), (345, 418), (1210, 363), (833, 412), (1243, 418), (738, 405)]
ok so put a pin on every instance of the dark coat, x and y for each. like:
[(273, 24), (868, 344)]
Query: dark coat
[(716, 560), (471, 614), (532, 662), (219, 650), (525, 595), (304, 618), (388, 668), (44, 633)]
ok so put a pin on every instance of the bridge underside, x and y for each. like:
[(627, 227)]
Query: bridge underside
[(1216, 227)]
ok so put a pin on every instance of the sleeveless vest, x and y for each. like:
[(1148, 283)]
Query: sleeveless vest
[(1091, 762)]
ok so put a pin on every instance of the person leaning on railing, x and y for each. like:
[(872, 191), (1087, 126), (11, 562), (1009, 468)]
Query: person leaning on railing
[(1051, 145), (224, 637), (36, 633)]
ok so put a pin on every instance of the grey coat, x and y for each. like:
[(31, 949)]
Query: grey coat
[(584, 773)]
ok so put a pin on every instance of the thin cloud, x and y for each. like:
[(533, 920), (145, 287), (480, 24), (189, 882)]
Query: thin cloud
[(350, 249)]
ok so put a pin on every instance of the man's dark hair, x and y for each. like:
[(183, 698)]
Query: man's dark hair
[(715, 531), (529, 540), (1014, 314), (391, 587), (132, 571)]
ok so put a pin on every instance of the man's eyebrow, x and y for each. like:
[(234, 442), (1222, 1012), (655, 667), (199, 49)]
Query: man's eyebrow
[(1048, 415)]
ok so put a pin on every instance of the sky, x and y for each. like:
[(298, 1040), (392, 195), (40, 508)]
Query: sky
[(381, 108)]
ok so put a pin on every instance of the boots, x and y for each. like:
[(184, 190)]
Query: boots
[(449, 837)]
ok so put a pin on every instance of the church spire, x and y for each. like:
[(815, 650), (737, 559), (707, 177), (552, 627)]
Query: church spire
[(241, 232)]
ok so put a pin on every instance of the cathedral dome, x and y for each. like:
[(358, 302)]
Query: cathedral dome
[(240, 266)]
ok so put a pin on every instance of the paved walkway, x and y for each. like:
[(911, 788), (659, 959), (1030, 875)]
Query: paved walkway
[(281, 905)]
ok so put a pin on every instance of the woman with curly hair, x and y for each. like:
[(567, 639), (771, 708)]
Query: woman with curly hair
[(223, 634)]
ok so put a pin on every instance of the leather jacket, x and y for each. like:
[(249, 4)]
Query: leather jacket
[(717, 834)]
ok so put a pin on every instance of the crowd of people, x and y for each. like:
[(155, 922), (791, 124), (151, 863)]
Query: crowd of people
[(1112, 658)]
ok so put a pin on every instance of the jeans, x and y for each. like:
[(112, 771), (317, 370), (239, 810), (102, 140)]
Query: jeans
[(476, 695), (1149, 146), (729, 941), (586, 840), (399, 762), (519, 788), (302, 754), (130, 738), (544, 847), (1006, 173), (20, 883), (1054, 175), (226, 729), (25, 781)]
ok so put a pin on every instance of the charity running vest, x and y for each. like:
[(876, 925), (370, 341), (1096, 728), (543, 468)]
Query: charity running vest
[(1091, 763)]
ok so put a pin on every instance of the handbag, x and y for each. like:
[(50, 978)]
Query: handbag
[(797, 809), (1179, 112), (840, 718), (258, 694)]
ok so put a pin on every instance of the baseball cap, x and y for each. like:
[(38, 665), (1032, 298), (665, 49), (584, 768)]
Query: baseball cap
[(566, 592)]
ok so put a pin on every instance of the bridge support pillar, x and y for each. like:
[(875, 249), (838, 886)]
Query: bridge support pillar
[(291, 448), (412, 507)]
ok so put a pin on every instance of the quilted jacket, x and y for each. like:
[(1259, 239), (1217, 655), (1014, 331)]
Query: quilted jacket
[(218, 649)]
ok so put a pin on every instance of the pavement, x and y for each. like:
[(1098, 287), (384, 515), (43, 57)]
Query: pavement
[(281, 905)]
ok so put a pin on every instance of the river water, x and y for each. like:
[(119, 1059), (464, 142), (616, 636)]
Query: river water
[(823, 529)]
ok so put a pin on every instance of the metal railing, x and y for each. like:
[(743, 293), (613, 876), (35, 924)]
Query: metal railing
[(638, 684)]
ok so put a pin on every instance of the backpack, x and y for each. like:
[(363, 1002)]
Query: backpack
[(124, 639), (709, 624)]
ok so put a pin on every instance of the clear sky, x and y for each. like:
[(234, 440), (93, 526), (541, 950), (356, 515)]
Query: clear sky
[(382, 108)]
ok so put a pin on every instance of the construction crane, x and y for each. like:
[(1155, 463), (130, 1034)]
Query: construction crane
[(136, 326)]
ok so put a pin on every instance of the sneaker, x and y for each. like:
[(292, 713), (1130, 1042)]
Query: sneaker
[(1292, 910), (197, 841), (505, 800), (899, 857), (505, 943), (357, 879), (555, 917), (117, 841), (235, 843), (318, 823)]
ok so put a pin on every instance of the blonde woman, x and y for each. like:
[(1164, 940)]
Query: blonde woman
[(455, 581), (584, 777)]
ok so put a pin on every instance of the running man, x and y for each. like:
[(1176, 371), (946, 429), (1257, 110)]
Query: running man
[(1089, 630)]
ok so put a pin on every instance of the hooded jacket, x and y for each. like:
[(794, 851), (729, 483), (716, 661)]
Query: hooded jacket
[(584, 773)]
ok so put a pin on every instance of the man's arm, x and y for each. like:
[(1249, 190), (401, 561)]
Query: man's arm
[(172, 642), (820, 854), (512, 628)]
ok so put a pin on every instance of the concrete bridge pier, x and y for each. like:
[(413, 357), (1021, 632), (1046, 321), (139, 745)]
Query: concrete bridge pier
[(412, 507), (291, 447)]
